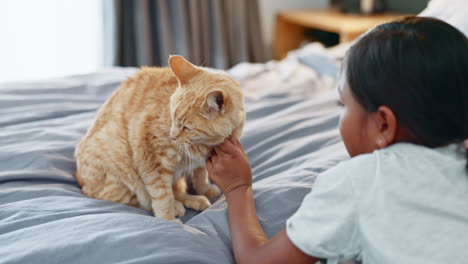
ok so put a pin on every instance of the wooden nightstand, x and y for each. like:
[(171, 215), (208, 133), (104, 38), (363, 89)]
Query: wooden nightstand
[(291, 26)]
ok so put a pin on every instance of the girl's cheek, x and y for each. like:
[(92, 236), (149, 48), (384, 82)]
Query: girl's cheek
[(346, 136)]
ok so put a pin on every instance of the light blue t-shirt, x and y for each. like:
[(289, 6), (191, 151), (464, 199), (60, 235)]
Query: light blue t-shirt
[(401, 204)]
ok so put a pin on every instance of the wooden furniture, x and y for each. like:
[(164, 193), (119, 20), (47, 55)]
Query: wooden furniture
[(291, 26)]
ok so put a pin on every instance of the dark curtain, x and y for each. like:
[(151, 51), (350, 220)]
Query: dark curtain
[(212, 33)]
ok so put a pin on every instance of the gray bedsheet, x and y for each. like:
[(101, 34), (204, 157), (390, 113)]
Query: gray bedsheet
[(44, 218)]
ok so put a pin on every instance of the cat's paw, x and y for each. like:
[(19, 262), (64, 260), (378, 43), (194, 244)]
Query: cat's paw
[(176, 221), (213, 191), (197, 202), (179, 209)]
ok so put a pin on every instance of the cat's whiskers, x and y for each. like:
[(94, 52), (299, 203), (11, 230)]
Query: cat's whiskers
[(189, 161), (189, 158)]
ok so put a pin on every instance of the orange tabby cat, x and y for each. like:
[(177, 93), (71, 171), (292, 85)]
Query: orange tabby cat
[(158, 128)]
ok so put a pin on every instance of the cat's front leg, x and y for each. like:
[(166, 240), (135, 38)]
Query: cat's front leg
[(202, 185), (159, 186), (195, 202), (179, 208)]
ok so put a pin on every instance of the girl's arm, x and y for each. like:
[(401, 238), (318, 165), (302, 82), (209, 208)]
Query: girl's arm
[(229, 168)]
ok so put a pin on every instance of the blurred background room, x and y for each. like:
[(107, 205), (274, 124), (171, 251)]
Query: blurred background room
[(52, 38)]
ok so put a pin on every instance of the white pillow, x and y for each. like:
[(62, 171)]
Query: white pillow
[(454, 12)]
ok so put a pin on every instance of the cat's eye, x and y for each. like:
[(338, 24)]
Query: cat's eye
[(187, 128)]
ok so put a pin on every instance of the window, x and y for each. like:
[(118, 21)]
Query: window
[(50, 38)]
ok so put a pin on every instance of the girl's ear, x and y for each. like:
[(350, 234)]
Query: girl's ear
[(182, 69), (387, 126)]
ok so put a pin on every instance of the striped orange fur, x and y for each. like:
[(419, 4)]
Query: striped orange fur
[(155, 130)]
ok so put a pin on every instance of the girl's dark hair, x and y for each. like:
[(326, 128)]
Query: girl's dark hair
[(418, 67)]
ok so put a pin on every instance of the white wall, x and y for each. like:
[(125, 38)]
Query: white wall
[(49, 38), (269, 8)]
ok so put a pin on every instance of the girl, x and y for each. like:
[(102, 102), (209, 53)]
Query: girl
[(403, 196)]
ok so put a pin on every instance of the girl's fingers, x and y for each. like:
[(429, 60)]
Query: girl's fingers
[(236, 142), (209, 164), (214, 156), (226, 147), (217, 151)]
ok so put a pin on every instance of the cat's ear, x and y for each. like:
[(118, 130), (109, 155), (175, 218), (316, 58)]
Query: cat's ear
[(215, 104), (215, 100), (182, 69)]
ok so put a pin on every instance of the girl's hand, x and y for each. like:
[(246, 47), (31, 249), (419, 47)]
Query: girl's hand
[(229, 167)]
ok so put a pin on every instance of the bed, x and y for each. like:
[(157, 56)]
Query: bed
[(290, 137)]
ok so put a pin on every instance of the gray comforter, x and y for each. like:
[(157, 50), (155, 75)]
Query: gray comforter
[(44, 217)]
